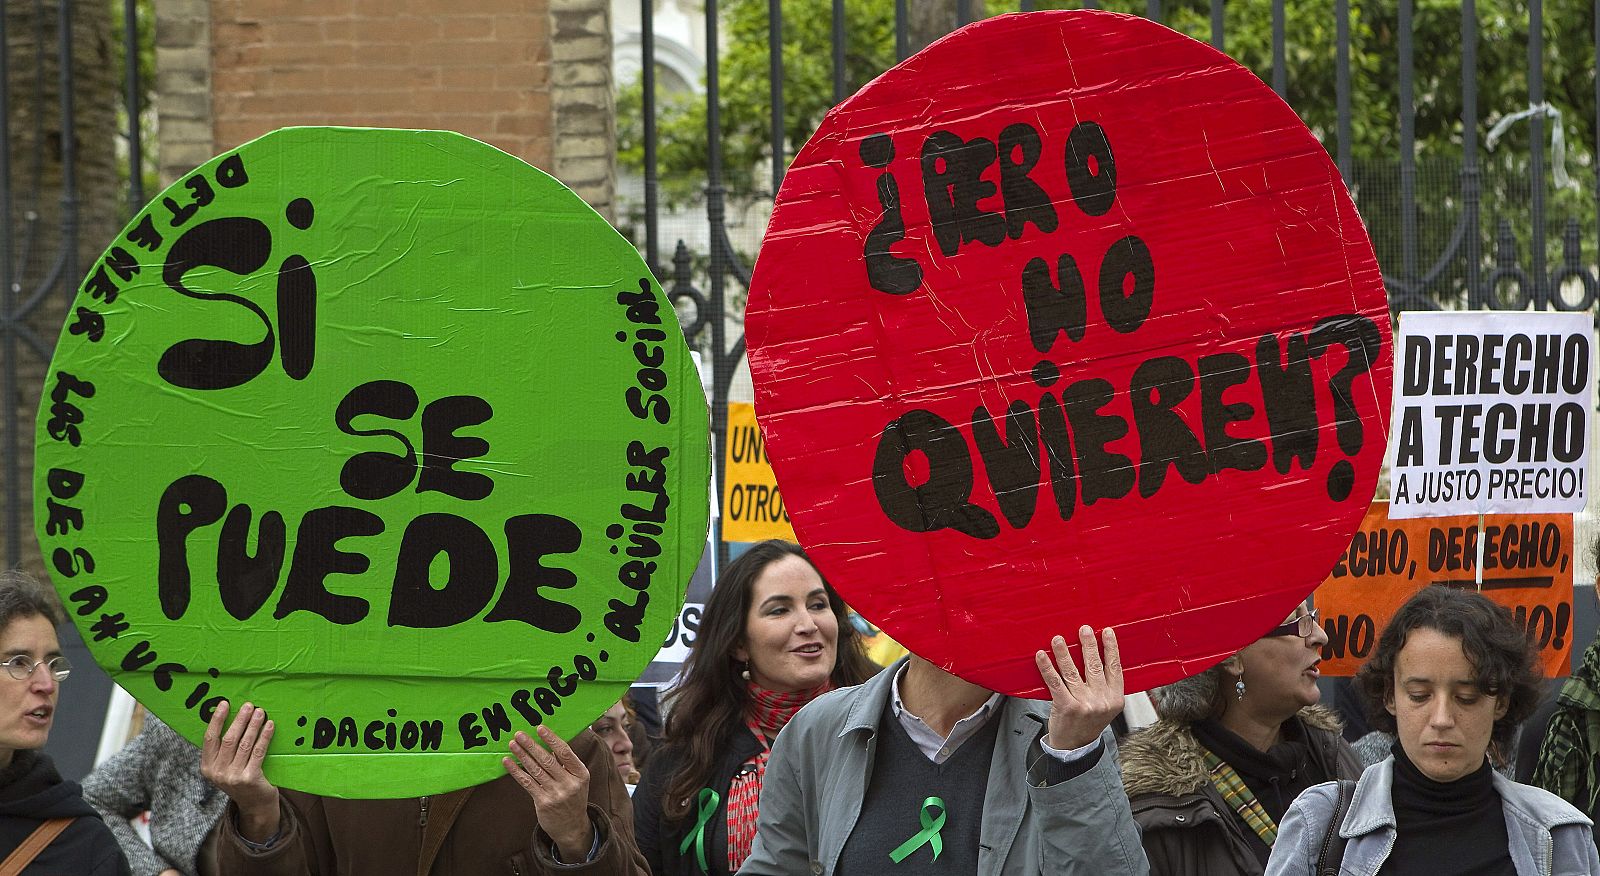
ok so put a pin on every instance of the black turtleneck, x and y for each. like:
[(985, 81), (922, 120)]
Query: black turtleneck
[(1447, 827), (1276, 776)]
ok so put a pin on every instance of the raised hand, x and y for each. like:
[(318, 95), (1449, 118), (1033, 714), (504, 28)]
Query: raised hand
[(1081, 707), (232, 762), (558, 782)]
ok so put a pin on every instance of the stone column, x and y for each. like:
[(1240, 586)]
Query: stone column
[(183, 82), (585, 140)]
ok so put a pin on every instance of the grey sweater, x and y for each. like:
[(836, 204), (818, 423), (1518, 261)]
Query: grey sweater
[(158, 771)]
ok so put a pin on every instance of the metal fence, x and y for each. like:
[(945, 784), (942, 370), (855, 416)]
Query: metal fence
[(65, 186), (68, 180), (1465, 226), (1486, 221)]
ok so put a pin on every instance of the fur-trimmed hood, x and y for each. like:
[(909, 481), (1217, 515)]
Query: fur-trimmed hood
[(1165, 758)]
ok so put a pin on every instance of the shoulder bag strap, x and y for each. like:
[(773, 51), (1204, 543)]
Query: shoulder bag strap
[(1332, 843), (24, 854)]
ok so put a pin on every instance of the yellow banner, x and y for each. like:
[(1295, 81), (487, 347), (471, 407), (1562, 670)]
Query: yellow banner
[(752, 510)]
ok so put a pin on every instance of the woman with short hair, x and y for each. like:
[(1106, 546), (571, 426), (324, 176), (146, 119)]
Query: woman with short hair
[(34, 799), (613, 728), (1452, 675)]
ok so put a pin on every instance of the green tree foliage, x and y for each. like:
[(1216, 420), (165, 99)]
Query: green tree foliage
[(1502, 82), (746, 94), (1503, 87)]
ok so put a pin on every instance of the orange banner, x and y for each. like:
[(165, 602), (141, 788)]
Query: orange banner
[(1527, 567)]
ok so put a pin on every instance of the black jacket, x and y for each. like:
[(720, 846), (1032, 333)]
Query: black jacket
[(659, 839), (31, 792), (1187, 828)]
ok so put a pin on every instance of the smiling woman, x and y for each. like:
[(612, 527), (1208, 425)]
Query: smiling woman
[(772, 638), (1452, 676), (34, 800)]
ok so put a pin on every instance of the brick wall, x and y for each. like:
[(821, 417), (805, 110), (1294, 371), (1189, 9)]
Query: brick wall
[(523, 75)]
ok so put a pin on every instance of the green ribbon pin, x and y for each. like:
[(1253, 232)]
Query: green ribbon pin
[(697, 837), (929, 835)]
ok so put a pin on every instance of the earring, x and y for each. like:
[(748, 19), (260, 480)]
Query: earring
[(745, 672), (1238, 686)]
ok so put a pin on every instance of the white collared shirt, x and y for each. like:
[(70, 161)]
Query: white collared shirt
[(939, 748)]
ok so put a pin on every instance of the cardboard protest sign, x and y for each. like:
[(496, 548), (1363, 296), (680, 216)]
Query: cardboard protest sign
[(385, 431), (1492, 413), (1096, 337), (752, 508), (1527, 567)]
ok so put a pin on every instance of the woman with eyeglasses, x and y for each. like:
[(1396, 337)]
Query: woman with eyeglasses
[(67, 836), (1234, 745)]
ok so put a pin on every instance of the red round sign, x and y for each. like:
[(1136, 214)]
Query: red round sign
[(1068, 319)]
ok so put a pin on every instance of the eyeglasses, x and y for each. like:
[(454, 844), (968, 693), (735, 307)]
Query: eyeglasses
[(21, 667), (1302, 626)]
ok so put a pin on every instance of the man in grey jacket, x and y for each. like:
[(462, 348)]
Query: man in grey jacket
[(920, 772)]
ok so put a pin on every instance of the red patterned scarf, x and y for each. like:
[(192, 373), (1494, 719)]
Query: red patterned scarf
[(766, 714)]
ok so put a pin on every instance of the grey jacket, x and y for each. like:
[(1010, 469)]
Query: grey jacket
[(1548, 836), (817, 776), (159, 771)]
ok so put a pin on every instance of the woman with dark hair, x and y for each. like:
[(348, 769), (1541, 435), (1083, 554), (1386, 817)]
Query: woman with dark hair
[(1452, 675), (38, 809), (1234, 746), (772, 638)]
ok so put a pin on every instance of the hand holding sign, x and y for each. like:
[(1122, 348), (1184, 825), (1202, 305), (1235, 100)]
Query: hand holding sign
[(1081, 706), (231, 760), (558, 782)]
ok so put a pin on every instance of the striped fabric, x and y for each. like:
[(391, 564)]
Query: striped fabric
[(743, 792), (1239, 796), (1566, 764), (767, 713)]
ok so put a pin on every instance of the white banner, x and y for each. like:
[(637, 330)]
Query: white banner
[(1492, 413)]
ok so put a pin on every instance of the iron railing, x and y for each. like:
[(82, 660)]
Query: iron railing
[(39, 243), (1456, 275), (1481, 261)]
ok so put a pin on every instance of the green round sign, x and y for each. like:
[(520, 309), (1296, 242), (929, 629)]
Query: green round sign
[(386, 432)]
